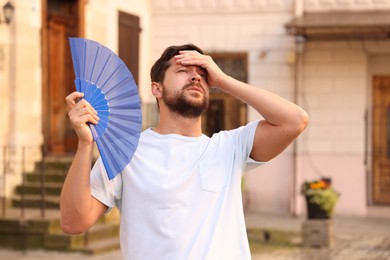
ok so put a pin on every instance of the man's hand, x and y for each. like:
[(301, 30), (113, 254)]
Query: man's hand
[(80, 113), (215, 75)]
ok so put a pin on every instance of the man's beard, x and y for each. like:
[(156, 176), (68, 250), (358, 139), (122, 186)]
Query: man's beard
[(181, 105)]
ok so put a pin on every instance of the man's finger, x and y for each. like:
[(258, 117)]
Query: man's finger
[(72, 98), (85, 104)]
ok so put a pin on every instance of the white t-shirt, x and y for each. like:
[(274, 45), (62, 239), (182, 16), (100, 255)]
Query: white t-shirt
[(180, 197)]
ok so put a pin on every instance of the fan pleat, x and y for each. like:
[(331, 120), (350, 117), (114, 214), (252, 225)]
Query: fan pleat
[(131, 127), (95, 95), (100, 103), (75, 59), (119, 84), (82, 65), (104, 120), (120, 129), (94, 131), (120, 106), (112, 76), (107, 159), (101, 106), (77, 84), (118, 96), (101, 70), (92, 54), (129, 111), (119, 156)]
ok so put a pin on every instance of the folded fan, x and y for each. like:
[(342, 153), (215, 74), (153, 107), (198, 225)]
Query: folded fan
[(109, 87)]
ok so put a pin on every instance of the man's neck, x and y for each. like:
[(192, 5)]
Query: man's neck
[(176, 124)]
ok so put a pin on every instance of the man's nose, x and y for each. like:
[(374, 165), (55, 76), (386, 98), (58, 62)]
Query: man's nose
[(195, 77)]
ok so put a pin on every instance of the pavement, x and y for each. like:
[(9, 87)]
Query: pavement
[(355, 238)]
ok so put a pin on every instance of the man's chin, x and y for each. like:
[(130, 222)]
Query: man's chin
[(191, 110), (195, 98), (194, 95)]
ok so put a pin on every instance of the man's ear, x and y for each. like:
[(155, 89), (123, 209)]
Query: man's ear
[(156, 89)]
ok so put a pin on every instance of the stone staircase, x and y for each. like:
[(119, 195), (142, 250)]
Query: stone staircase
[(27, 226)]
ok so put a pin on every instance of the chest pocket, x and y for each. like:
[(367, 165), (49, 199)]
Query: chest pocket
[(214, 175)]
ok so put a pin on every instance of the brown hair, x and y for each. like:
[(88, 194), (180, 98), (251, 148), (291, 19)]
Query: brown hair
[(157, 72)]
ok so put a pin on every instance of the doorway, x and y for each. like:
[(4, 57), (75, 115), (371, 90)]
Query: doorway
[(60, 20), (381, 140), (225, 112)]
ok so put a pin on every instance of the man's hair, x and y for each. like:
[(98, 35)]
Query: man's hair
[(157, 72)]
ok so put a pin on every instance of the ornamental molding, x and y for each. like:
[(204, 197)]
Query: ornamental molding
[(164, 7), (345, 5), (218, 6)]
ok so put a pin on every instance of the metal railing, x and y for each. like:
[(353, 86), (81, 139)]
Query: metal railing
[(17, 162)]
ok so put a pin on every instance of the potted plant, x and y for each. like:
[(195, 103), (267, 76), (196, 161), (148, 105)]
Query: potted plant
[(321, 198)]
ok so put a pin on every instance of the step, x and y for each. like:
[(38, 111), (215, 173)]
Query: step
[(33, 221), (55, 163), (23, 234), (33, 234), (99, 247), (35, 188), (99, 232), (49, 176), (34, 201)]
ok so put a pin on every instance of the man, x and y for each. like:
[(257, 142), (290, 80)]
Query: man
[(180, 196)]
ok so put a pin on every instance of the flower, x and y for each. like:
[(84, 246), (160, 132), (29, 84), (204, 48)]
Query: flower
[(321, 193)]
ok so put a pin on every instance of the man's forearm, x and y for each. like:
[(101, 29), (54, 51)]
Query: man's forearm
[(76, 199), (273, 108)]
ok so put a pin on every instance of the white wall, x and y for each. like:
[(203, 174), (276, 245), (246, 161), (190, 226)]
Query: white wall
[(20, 75), (334, 90), (335, 81), (21, 92), (255, 27)]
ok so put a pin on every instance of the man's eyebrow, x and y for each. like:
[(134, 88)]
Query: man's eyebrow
[(179, 66), (203, 70)]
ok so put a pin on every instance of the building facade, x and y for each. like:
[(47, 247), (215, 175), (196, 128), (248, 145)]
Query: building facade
[(311, 52)]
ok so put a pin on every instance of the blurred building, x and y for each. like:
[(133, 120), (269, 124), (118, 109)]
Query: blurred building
[(331, 57)]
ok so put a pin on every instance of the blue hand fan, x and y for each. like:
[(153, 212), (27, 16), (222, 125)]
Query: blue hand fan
[(109, 87)]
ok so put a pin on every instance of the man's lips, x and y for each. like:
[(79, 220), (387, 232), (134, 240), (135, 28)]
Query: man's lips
[(195, 87)]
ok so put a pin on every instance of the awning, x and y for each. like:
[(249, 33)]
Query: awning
[(341, 25)]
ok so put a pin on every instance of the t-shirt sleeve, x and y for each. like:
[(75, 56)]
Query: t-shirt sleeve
[(107, 191), (245, 136)]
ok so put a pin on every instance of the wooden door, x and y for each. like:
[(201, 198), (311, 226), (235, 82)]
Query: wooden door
[(128, 49), (57, 79), (381, 140), (62, 18)]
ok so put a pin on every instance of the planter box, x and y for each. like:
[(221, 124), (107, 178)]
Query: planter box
[(314, 211), (317, 233)]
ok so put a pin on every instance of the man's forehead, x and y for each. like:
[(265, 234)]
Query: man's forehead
[(175, 65)]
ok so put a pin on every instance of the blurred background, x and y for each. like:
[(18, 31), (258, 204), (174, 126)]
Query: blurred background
[(330, 57)]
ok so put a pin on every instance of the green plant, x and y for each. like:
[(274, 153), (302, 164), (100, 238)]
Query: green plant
[(321, 193)]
